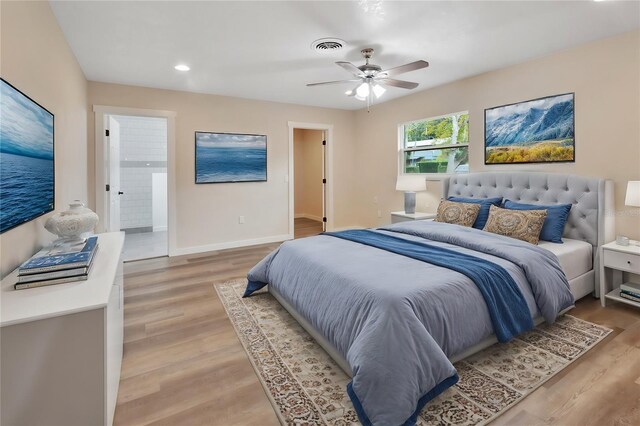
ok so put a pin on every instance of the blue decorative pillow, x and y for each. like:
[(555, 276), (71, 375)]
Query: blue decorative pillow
[(485, 205), (557, 216)]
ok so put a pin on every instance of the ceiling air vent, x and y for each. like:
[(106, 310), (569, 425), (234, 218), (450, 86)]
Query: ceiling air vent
[(328, 44)]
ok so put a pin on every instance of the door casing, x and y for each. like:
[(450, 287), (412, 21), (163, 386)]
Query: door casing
[(113, 158), (328, 173), (101, 164)]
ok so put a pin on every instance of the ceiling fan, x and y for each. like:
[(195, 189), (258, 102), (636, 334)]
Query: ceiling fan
[(371, 78)]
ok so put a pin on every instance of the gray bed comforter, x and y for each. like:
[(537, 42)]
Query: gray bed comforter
[(396, 320)]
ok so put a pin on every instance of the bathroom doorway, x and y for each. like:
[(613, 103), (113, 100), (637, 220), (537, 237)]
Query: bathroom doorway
[(137, 183)]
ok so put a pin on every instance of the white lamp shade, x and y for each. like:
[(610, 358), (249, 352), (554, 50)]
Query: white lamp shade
[(633, 194), (411, 183)]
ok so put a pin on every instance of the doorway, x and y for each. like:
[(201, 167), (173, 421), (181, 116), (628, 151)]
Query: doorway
[(136, 173), (309, 181)]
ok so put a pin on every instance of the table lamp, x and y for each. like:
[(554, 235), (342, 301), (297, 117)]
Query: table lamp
[(632, 199), (633, 194), (410, 184)]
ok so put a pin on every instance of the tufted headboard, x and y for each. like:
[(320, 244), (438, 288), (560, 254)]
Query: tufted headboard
[(589, 219)]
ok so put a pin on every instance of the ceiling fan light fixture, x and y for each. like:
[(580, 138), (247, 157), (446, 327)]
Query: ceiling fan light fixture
[(363, 90), (378, 90), (371, 78)]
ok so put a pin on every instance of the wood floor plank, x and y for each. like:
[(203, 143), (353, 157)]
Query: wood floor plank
[(306, 227), (184, 365)]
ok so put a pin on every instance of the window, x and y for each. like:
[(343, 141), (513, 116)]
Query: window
[(435, 145)]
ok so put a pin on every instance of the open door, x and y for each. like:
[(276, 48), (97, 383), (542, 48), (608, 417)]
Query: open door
[(113, 186)]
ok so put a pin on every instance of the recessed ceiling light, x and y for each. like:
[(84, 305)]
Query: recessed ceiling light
[(182, 67)]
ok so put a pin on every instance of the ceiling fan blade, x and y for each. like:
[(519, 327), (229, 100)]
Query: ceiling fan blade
[(397, 83), (350, 68), (353, 91), (332, 82), (417, 65)]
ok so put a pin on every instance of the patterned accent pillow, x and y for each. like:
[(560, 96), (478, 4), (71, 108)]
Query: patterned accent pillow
[(524, 225), (464, 214), (485, 203)]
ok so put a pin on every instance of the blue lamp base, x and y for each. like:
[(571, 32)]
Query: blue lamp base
[(410, 202)]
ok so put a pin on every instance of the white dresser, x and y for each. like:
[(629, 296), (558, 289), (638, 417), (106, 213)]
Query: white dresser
[(61, 346)]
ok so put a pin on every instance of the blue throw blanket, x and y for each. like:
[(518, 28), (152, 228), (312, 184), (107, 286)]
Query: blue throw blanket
[(508, 309), (395, 318)]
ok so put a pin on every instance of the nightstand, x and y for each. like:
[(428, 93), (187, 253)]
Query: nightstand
[(397, 217), (614, 260)]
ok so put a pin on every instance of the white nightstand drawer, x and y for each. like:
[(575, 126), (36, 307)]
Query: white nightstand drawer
[(622, 261)]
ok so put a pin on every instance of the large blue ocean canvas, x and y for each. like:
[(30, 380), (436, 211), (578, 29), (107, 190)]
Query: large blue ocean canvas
[(230, 157), (535, 131), (26, 158)]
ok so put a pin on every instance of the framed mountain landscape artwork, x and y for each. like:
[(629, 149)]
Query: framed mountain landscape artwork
[(536, 131), (230, 157)]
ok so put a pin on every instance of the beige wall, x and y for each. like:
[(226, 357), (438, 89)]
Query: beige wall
[(35, 58), (208, 214), (307, 148), (605, 76)]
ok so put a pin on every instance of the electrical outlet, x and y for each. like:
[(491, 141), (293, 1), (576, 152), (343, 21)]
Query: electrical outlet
[(375, 200), (286, 178), (240, 220), (379, 213)]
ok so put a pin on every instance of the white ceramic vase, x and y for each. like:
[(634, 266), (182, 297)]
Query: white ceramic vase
[(70, 224)]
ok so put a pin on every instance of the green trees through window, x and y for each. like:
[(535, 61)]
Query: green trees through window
[(436, 145)]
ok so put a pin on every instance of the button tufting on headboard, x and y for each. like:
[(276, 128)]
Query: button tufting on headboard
[(540, 188)]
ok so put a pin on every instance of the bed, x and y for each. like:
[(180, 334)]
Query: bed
[(396, 323), (590, 221)]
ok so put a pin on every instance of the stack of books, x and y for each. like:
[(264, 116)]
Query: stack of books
[(630, 291), (57, 265)]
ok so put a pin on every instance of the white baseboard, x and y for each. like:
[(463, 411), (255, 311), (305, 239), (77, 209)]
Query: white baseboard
[(230, 244)]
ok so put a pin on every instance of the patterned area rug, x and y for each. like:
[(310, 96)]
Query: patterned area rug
[(307, 387)]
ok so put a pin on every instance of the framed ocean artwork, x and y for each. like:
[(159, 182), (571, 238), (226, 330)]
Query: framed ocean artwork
[(27, 169), (536, 131), (230, 157)]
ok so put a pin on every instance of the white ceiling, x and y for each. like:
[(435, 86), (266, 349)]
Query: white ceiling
[(261, 50)]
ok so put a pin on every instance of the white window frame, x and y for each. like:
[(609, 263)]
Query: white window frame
[(402, 149)]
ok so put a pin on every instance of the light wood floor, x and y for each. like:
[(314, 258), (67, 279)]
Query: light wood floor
[(304, 227), (183, 364)]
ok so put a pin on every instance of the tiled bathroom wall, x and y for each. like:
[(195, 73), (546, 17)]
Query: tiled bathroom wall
[(143, 151)]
